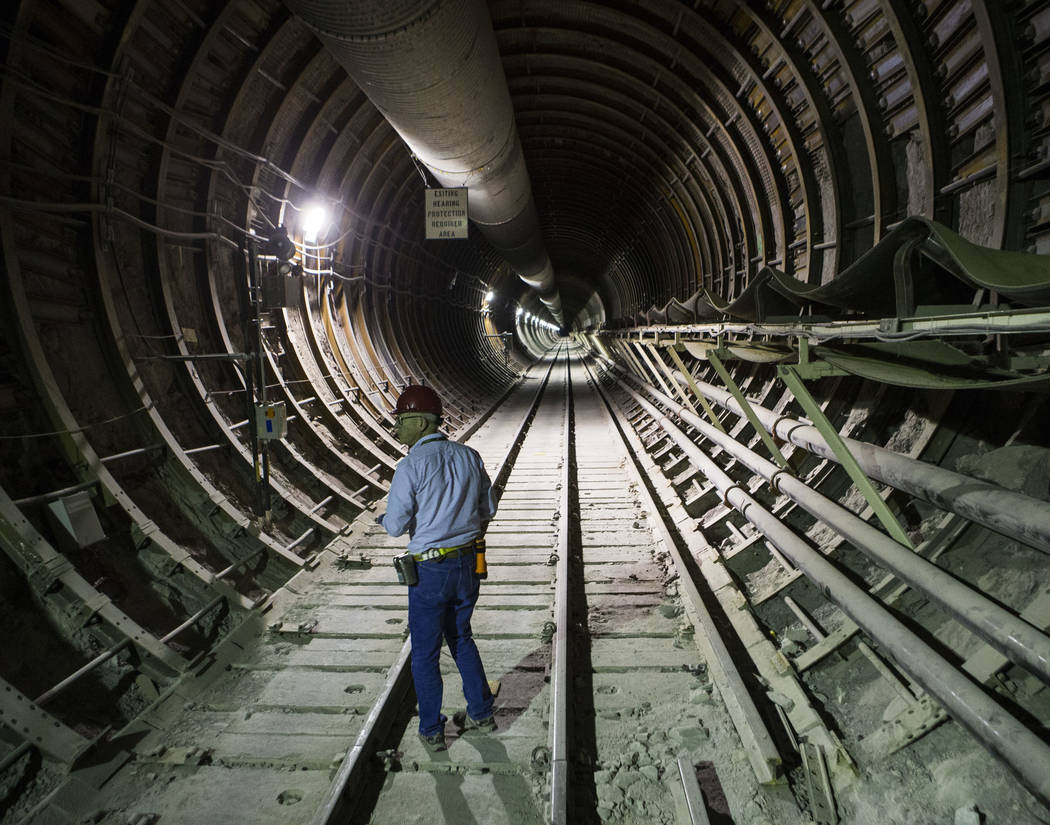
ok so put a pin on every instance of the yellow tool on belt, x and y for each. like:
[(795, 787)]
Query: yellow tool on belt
[(405, 564), (480, 567)]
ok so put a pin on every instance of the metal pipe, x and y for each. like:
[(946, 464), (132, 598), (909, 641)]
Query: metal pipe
[(309, 532), (222, 574), (1019, 641), (192, 619), (1001, 733), (1011, 514), (433, 69), (321, 504), (104, 656), (206, 448), (55, 494), (14, 756), (129, 453)]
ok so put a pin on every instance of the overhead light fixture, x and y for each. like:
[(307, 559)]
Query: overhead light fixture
[(489, 296), (519, 312), (315, 221)]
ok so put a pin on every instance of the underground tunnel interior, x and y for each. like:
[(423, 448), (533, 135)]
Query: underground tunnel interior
[(818, 229)]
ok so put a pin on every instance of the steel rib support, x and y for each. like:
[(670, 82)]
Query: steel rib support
[(559, 721), (1005, 737)]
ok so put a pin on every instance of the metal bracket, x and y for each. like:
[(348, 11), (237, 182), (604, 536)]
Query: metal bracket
[(794, 382), (821, 798), (654, 352), (632, 361), (735, 391), (811, 369), (644, 359), (708, 409), (913, 721)]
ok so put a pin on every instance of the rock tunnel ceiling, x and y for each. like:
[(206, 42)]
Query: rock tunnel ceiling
[(853, 191)]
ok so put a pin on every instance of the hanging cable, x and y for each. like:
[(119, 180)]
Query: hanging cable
[(74, 431), (251, 191), (41, 206)]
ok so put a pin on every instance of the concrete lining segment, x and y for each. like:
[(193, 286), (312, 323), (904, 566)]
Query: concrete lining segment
[(293, 738), (250, 797), (609, 653), (353, 658), (351, 623), (506, 601), (463, 798), (321, 689)]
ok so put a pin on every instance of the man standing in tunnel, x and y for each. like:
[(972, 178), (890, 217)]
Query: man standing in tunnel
[(442, 496)]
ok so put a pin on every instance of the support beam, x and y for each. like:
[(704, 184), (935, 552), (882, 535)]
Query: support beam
[(708, 409), (655, 356), (749, 413), (842, 454)]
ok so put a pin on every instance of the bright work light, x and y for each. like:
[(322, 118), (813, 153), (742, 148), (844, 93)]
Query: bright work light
[(315, 221)]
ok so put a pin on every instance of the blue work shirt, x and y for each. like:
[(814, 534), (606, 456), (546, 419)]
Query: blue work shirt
[(440, 493)]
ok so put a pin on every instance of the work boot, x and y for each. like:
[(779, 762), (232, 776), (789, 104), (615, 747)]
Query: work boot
[(468, 725), (435, 743)]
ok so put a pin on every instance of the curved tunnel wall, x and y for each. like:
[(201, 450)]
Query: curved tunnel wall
[(671, 148)]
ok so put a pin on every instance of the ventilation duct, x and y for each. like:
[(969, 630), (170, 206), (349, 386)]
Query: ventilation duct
[(433, 69)]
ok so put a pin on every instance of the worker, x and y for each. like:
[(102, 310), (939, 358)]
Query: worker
[(442, 496)]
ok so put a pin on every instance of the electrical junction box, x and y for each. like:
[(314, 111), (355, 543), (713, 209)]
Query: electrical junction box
[(271, 421), (280, 290)]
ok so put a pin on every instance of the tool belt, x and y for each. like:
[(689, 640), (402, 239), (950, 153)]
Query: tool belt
[(405, 564), (432, 553)]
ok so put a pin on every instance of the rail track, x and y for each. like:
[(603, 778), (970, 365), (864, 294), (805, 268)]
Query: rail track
[(662, 652), (305, 713)]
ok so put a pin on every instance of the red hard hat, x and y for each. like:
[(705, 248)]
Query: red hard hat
[(418, 399)]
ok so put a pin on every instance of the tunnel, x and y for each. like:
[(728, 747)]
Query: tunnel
[(745, 306)]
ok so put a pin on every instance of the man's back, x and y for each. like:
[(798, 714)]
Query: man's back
[(440, 493)]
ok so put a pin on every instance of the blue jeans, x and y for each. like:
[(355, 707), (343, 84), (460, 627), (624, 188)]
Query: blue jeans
[(440, 606)]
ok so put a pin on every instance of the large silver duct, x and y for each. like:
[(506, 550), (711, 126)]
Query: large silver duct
[(433, 69)]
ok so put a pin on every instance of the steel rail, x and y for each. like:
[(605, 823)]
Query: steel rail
[(1019, 641), (560, 676), (1003, 735), (694, 798), (338, 799), (1009, 513), (499, 478), (762, 752)]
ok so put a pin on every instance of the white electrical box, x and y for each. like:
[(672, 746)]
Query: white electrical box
[(271, 420)]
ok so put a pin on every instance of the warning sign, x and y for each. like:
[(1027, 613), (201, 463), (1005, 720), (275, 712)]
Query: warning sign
[(446, 213)]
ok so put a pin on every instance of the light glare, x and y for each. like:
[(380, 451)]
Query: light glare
[(315, 221)]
